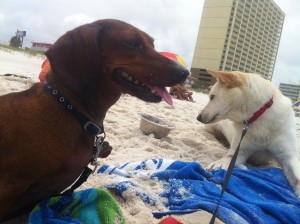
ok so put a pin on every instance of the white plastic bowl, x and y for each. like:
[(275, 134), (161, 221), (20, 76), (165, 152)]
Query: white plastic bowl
[(153, 125)]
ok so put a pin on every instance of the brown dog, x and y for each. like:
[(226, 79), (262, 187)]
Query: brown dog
[(43, 148)]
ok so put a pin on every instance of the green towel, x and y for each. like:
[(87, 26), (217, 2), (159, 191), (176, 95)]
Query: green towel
[(91, 206)]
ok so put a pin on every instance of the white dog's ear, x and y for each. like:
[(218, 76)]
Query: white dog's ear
[(228, 79)]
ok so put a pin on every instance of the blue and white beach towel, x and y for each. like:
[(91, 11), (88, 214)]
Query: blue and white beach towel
[(253, 195)]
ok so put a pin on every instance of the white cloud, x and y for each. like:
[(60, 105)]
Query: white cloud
[(172, 23), (74, 20), (1, 17)]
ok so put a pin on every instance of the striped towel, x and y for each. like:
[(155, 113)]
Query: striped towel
[(253, 195)]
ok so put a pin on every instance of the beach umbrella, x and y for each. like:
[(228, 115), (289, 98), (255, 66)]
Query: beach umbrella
[(296, 106), (174, 57), (179, 60)]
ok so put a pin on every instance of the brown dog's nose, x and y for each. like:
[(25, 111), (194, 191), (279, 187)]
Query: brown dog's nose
[(180, 74)]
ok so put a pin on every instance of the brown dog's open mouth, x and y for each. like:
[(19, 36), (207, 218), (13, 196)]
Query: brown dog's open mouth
[(143, 91)]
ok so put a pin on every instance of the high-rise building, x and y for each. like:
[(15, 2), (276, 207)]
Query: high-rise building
[(241, 35), (290, 90)]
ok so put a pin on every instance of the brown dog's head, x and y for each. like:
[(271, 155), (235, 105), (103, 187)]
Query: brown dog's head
[(111, 57)]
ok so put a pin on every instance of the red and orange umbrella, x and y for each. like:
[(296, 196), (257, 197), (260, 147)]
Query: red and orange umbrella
[(174, 57)]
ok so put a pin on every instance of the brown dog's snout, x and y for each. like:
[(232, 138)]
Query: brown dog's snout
[(180, 74), (183, 74)]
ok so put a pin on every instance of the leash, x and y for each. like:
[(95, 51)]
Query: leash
[(228, 173), (101, 147), (248, 124)]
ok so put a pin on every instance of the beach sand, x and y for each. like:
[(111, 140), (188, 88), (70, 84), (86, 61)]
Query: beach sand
[(187, 142)]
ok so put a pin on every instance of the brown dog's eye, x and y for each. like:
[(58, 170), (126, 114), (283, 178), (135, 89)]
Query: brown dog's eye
[(211, 97), (136, 44)]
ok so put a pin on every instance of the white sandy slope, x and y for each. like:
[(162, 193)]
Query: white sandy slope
[(187, 142)]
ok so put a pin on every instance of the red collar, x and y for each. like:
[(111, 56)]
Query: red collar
[(258, 113)]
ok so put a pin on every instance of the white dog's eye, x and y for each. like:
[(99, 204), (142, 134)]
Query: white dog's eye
[(211, 97)]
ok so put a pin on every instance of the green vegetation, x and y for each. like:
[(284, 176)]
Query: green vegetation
[(25, 51), (204, 91)]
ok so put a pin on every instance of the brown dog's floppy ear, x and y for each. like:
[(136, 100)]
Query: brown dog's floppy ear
[(228, 79), (75, 58)]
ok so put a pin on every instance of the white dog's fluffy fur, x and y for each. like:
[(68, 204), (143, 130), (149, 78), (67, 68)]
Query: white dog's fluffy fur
[(236, 96)]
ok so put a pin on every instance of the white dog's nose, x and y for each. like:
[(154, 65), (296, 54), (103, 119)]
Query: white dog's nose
[(203, 118), (199, 117)]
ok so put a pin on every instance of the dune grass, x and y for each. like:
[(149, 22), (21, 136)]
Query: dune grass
[(27, 51)]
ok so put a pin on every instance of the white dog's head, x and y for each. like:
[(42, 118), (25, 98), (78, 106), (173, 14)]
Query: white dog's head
[(225, 98)]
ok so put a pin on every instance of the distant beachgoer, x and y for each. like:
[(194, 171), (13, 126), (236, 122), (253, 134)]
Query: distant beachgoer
[(45, 69), (180, 92)]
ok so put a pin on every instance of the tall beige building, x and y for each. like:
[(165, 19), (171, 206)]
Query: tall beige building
[(239, 35)]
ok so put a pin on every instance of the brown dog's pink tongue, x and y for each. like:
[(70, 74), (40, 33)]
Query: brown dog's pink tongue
[(163, 93)]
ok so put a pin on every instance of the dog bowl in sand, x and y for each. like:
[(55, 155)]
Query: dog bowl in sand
[(154, 125)]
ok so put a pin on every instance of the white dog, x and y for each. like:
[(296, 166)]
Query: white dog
[(248, 98)]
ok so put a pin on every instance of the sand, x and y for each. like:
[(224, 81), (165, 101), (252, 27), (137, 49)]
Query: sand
[(187, 142)]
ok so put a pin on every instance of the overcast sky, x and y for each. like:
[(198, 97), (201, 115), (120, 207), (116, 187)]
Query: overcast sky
[(172, 23)]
